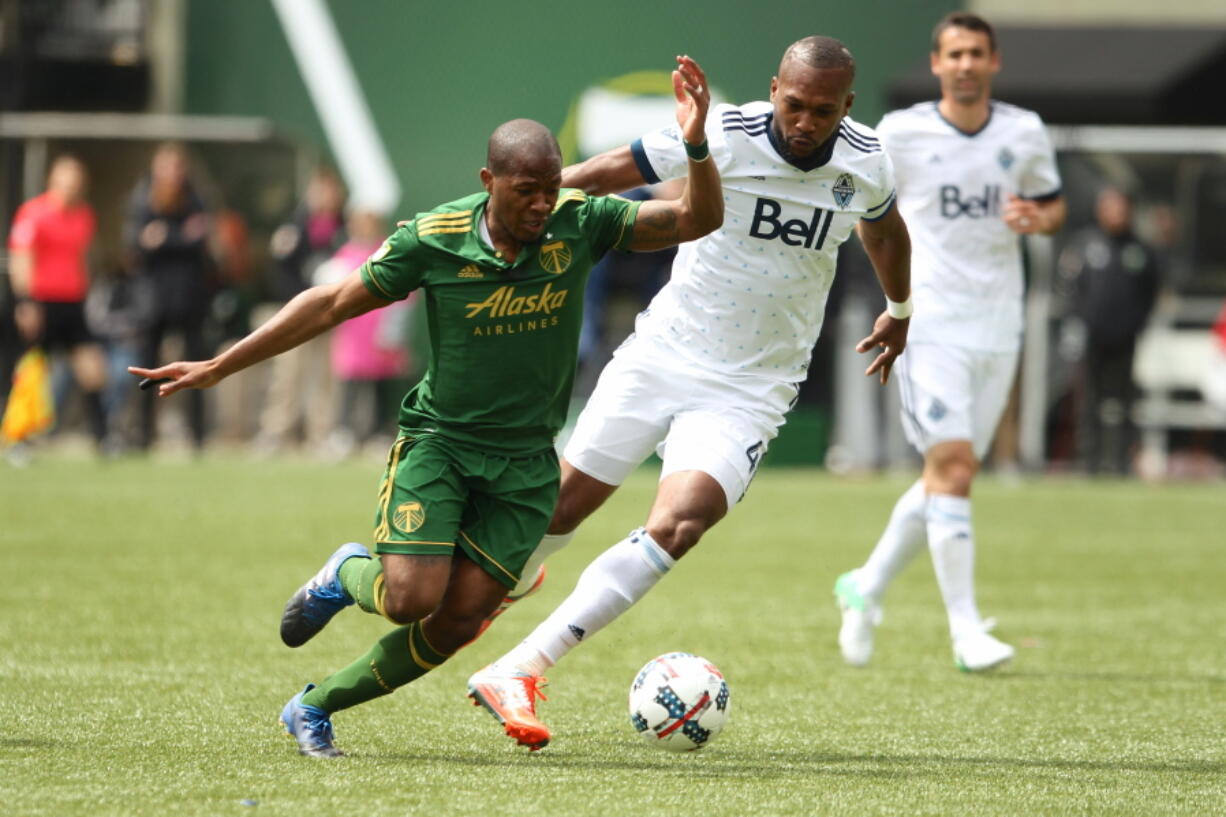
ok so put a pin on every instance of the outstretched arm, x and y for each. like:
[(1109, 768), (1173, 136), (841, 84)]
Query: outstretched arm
[(310, 313), (613, 171), (889, 248), (700, 209)]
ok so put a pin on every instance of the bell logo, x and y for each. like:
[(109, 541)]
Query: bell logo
[(555, 257), (794, 232), (503, 302), (955, 204)]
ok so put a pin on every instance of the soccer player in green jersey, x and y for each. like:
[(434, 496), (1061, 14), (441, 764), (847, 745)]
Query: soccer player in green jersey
[(472, 479)]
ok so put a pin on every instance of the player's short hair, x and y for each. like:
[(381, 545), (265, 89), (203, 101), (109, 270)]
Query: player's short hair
[(517, 141), (963, 19), (820, 52)]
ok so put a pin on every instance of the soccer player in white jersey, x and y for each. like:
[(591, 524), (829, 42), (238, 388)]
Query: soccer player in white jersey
[(973, 175), (715, 360)]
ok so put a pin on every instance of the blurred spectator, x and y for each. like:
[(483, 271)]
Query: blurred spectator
[(166, 236), (370, 352), (301, 389), (49, 272), (1214, 385), (235, 281), (1115, 282), (119, 310), (10, 341)]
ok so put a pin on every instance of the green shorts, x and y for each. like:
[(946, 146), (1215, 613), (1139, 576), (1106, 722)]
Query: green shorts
[(437, 494)]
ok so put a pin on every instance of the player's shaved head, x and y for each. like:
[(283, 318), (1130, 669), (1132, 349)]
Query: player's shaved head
[(822, 53), (519, 143)]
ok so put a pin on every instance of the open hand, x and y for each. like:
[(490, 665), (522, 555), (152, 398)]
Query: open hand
[(890, 335), (175, 377), (693, 100)]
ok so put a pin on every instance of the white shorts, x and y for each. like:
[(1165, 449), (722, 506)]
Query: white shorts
[(953, 393), (649, 399)]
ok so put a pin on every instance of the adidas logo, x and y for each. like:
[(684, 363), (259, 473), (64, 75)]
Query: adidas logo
[(470, 271), (577, 632)]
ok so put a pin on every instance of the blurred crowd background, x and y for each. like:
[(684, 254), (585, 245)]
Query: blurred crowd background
[(211, 158)]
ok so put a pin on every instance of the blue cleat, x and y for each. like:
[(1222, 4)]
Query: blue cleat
[(310, 726), (311, 608)]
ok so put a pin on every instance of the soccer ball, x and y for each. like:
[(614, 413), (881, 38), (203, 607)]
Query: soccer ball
[(679, 702)]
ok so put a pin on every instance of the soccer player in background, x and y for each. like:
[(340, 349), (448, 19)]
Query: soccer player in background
[(472, 480), (716, 359), (973, 175)]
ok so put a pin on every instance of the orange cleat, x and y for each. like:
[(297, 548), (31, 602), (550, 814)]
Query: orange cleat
[(511, 698)]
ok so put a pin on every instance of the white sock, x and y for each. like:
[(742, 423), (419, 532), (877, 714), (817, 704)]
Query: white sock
[(608, 587), (550, 544), (952, 544), (904, 536)]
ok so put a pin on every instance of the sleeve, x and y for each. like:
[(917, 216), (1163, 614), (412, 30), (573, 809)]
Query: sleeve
[(395, 269), (1040, 179), (608, 221), (25, 229), (882, 195), (660, 154)]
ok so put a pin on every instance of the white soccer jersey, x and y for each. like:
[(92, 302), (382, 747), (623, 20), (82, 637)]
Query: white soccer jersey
[(966, 266), (750, 297)]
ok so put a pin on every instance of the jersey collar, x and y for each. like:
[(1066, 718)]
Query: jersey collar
[(968, 133), (481, 236), (820, 156)]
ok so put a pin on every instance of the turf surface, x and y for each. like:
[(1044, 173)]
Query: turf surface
[(141, 673)]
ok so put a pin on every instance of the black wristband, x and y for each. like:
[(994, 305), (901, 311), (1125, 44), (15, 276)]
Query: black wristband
[(698, 153)]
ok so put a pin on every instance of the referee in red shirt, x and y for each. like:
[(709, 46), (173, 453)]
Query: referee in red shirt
[(51, 235)]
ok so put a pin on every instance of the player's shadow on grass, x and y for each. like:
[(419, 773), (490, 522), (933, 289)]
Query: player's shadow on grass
[(26, 743), (918, 763), (723, 764), (1110, 677)]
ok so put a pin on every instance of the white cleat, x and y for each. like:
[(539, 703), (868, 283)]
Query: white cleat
[(860, 617), (976, 651)]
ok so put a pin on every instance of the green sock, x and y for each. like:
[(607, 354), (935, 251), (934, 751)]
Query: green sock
[(358, 577), (401, 656)]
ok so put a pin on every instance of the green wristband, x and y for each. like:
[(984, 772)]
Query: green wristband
[(698, 153)]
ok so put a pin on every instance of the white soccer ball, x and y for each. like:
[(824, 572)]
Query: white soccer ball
[(679, 702)]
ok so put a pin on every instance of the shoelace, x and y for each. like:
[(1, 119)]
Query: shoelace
[(320, 728), (525, 689)]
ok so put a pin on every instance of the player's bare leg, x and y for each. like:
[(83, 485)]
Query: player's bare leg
[(687, 504), (578, 497), (456, 594)]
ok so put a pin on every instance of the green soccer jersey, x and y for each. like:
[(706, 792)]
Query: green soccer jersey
[(504, 336)]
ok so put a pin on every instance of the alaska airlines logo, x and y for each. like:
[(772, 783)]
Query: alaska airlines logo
[(555, 257), (409, 516), (795, 233), (955, 205), (503, 302), (470, 271)]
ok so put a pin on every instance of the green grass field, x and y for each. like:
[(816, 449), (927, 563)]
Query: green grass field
[(141, 672)]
